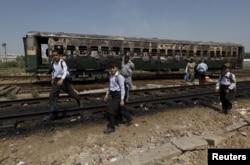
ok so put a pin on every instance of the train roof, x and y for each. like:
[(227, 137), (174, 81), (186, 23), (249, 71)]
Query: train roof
[(122, 38)]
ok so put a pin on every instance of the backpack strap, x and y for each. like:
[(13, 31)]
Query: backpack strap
[(51, 67), (62, 64), (117, 79), (230, 77)]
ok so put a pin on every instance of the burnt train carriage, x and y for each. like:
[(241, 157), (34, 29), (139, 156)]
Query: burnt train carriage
[(88, 56)]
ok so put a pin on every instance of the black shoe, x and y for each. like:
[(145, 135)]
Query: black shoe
[(109, 130), (52, 116), (129, 122), (227, 111)]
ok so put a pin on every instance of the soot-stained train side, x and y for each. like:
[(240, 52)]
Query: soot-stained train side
[(88, 56)]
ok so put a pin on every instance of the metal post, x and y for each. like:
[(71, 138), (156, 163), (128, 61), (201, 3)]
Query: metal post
[(4, 45)]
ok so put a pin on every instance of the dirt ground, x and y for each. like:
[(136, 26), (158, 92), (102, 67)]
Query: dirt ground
[(85, 143)]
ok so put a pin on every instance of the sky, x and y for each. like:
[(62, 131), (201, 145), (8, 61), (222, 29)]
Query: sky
[(194, 20)]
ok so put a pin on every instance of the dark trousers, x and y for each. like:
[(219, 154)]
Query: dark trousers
[(114, 108), (55, 91), (226, 98), (201, 77), (124, 110)]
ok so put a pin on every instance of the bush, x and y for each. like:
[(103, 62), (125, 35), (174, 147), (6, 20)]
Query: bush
[(247, 55), (20, 63), (12, 67)]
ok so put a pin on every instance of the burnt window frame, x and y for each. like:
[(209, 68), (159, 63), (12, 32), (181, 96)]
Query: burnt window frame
[(93, 48), (83, 50)]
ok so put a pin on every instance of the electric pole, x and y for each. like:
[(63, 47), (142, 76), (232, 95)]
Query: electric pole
[(4, 45)]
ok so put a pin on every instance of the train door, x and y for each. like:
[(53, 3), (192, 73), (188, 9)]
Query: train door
[(45, 54), (41, 53), (30, 49), (25, 51)]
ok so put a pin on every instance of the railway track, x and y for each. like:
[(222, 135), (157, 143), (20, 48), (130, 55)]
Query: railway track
[(30, 113), (45, 78), (137, 75), (14, 85)]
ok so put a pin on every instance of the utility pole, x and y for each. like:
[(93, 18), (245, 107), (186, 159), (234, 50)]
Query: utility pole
[(4, 45)]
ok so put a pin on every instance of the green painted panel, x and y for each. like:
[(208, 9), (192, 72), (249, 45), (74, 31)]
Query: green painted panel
[(31, 63)]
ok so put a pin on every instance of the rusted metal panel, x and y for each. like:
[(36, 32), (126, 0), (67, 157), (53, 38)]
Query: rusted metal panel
[(97, 49)]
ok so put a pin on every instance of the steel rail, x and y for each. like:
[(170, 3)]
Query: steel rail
[(195, 95)]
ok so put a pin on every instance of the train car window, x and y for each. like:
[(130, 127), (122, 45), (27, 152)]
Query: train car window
[(205, 53), (70, 50), (212, 54), (93, 50), (137, 51), (223, 54), (154, 52), (184, 53), (116, 51), (198, 53), (177, 52), (104, 50), (170, 52), (191, 53), (217, 53), (126, 51), (145, 50), (162, 52), (83, 50)]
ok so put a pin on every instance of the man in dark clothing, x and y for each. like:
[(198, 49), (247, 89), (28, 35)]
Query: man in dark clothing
[(59, 81), (117, 91), (226, 85)]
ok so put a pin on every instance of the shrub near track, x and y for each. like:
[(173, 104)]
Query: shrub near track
[(8, 68)]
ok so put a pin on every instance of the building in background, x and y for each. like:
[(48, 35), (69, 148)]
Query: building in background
[(11, 57)]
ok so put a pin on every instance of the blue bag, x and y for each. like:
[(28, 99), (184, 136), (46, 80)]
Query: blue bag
[(185, 77)]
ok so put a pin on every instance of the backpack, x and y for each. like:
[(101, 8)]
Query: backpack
[(51, 68), (231, 80), (117, 80)]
